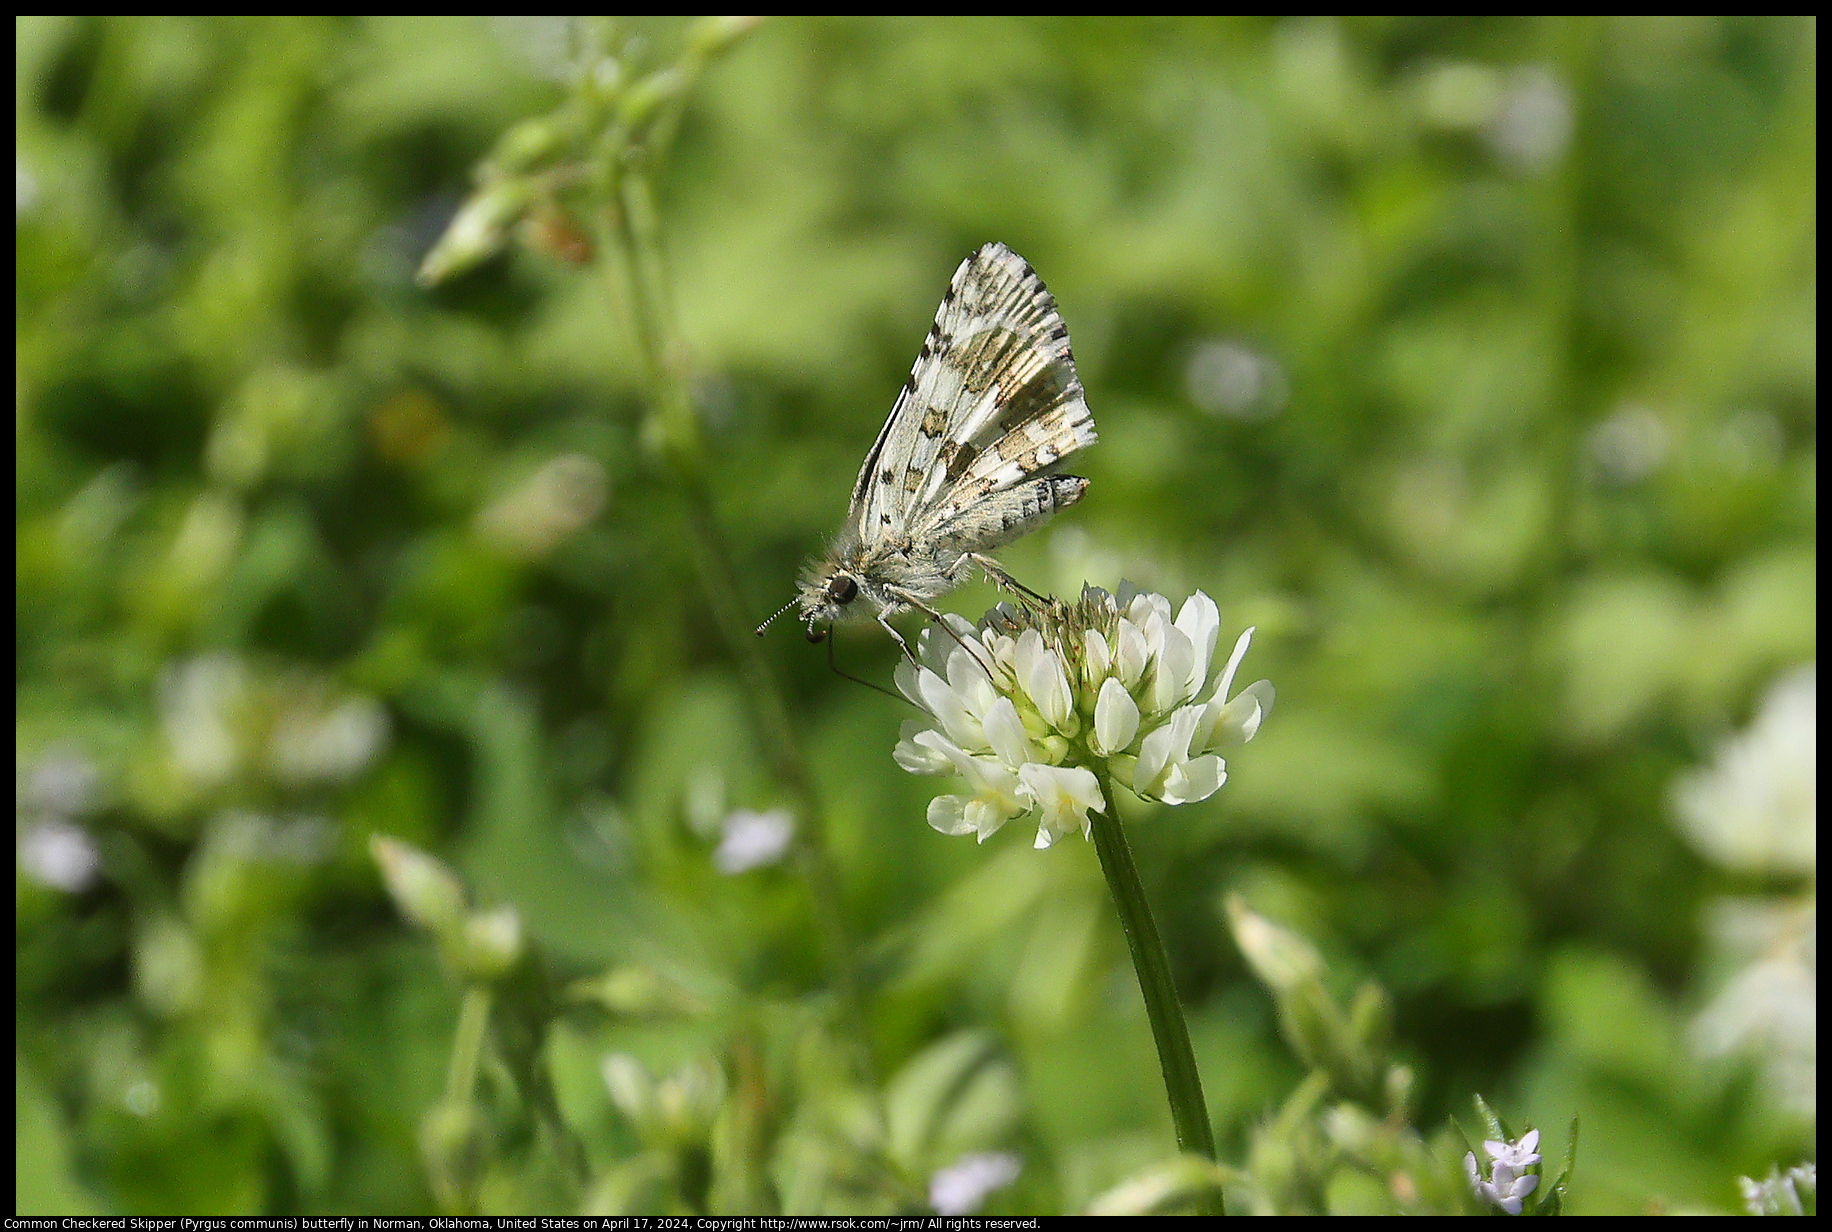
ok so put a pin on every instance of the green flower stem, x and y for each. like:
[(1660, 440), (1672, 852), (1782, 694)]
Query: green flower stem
[(673, 430), (467, 1046), (1188, 1110)]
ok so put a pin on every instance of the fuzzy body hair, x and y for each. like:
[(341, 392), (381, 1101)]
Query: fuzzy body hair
[(968, 459)]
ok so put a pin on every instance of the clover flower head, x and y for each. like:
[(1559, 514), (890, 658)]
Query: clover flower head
[(1779, 1192), (1029, 704), (1508, 1183), (1756, 807)]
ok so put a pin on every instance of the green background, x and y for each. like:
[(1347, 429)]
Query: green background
[(1471, 360)]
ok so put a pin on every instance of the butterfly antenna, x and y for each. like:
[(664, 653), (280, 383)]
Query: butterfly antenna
[(779, 611), (832, 663)]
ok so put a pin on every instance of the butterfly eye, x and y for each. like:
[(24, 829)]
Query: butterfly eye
[(842, 589)]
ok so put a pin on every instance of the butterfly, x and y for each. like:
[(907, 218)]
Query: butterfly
[(967, 460)]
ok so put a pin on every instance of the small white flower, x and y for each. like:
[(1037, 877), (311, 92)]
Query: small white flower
[(994, 797), (1040, 672), (961, 1188), (1116, 717), (1005, 733), (1131, 654), (752, 840), (58, 853), (1033, 705), (1508, 1184), (1517, 1157), (1065, 794), (1226, 722), (1176, 661), (1200, 621), (920, 756)]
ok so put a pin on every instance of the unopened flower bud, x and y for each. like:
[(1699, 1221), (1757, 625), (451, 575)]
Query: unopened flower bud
[(1278, 956), (477, 230), (524, 146), (490, 943), (423, 888)]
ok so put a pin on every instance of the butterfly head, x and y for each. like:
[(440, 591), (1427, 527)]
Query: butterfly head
[(828, 593)]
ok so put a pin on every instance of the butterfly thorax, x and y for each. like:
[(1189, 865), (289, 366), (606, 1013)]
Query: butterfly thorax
[(859, 580)]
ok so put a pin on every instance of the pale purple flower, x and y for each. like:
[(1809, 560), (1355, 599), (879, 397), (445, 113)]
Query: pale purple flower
[(963, 1186), (1508, 1183), (58, 853), (752, 840)]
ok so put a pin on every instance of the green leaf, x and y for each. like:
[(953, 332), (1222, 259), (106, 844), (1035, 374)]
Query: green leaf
[(1551, 1198), (1492, 1124), (45, 1182), (1173, 1187), (952, 1097)]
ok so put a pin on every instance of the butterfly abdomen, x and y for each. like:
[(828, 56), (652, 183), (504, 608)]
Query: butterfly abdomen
[(1004, 516)]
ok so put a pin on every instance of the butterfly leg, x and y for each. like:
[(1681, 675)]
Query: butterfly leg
[(904, 596), (1005, 581), (884, 621)]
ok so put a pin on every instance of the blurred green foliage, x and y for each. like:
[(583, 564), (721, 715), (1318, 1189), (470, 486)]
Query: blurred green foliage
[(1472, 360)]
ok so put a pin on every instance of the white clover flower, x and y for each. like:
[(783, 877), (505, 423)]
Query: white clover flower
[(962, 1187), (1779, 1192), (1508, 1183), (1768, 1007), (1032, 703), (1756, 808)]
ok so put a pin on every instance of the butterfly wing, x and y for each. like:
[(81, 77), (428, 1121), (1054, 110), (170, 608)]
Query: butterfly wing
[(992, 399)]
